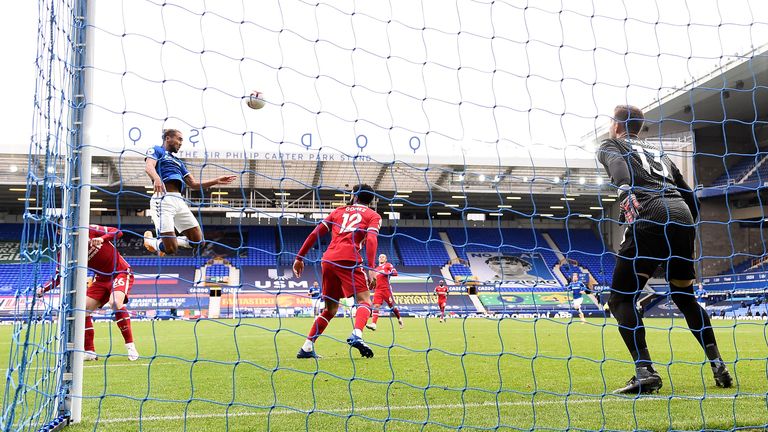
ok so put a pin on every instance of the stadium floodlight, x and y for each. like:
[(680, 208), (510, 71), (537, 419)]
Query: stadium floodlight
[(582, 180), (481, 177), (13, 168)]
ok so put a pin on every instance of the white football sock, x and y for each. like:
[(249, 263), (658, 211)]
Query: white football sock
[(357, 332), (308, 346), (183, 242)]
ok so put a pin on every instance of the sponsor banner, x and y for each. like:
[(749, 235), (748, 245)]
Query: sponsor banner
[(167, 302), (254, 300), (414, 299), (9, 252), (556, 300), (746, 277), (511, 270), (155, 279)]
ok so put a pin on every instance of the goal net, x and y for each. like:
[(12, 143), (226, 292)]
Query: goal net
[(476, 122)]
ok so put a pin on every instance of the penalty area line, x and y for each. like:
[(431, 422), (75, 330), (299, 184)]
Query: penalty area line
[(377, 408)]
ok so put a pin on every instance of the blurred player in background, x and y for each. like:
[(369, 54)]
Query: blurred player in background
[(441, 290), (577, 289), (701, 296), (383, 291), (169, 210), (351, 226), (659, 211), (317, 299), (111, 284)]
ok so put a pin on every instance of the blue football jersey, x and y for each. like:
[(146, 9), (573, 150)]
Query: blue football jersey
[(577, 288), (169, 167), (314, 292), (700, 293)]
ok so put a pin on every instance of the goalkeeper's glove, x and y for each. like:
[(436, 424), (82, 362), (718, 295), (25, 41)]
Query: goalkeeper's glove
[(629, 205)]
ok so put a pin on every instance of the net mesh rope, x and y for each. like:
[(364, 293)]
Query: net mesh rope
[(449, 94)]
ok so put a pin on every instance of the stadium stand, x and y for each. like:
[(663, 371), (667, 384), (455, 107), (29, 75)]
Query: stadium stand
[(736, 173), (291, 239), (506, 240), (589, 251), (460, 272), (260, 248), (420, 247)]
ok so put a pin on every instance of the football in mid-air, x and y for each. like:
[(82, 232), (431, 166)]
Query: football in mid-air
[(255, 100)]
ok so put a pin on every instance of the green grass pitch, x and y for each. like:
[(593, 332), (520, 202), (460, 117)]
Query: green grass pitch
[(476, 374)]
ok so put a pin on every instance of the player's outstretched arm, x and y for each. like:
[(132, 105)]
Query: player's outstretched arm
[(105, 233), (190, 180), (371, 245), (320, 230)]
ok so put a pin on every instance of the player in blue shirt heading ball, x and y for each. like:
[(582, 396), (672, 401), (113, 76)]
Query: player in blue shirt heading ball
[(169, 210)]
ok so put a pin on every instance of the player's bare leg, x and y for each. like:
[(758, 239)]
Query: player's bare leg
[(169, 243), (318, 327), (363, 300), (88, 345), (442, 313), (374, 318), (700, 325), (193, 238), (123, 321), (396, 312), (581, 315)]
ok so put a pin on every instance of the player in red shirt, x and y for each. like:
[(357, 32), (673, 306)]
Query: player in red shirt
[(343, 272), (383, 291), (442, 295), (111, 284)]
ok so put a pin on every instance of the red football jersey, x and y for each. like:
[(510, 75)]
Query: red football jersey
[(383, 272), (105, 260), (442, 292), (349, 226)]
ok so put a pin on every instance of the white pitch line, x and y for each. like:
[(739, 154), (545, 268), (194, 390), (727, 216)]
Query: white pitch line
[(264, 412)]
